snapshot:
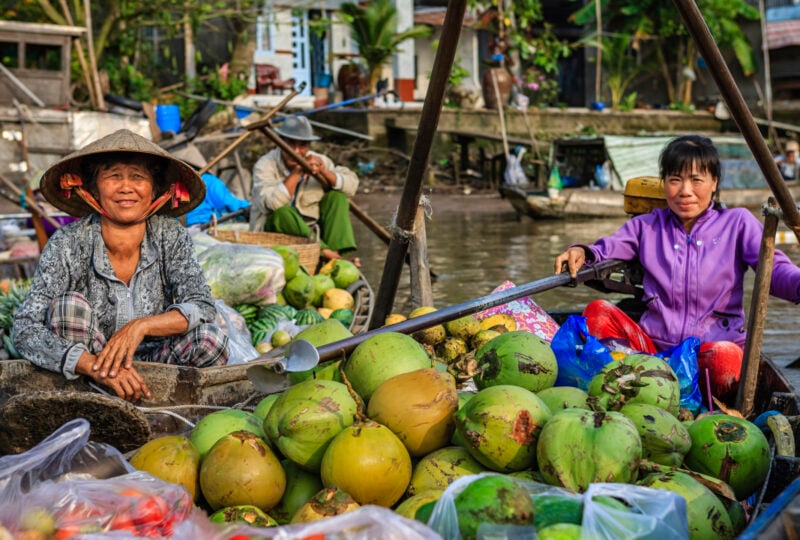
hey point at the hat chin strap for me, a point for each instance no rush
(177, 193)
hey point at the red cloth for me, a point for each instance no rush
(723, 359)
(605, 320)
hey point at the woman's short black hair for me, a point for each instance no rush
(682, 152)
(90, 168)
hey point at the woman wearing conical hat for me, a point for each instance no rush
(121, 283)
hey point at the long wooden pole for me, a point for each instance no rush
(244, 136)
(412, 191)
(756, 319)
(739, 112)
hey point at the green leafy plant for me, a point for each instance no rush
(373, 28)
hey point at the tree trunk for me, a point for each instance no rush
(190, 66)
(243, 49)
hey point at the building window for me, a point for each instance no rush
(46, 57)
(9, 54)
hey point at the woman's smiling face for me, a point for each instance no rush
(125, 191)
(689, 193)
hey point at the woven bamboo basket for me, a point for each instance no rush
(307, 249)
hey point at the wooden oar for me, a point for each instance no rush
(337, 349)
(226, 217)
(243, 137)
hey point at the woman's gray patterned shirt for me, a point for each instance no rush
(75, 260)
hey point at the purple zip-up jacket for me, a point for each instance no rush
(694, 283)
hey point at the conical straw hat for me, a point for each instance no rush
(121, 141)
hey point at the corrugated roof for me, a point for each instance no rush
(435, 17)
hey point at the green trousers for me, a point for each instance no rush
(335, 228)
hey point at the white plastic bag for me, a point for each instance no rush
(243, 273)
(239, 339)
(660, 514)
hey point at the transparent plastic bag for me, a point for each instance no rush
(235, 327)
(66, 451)
(366, 523)
(653, 514)
(133, 505)
(656, 514)
(243, 273)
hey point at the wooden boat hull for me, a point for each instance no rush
(28, 391)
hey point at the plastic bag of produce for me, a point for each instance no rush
(651, 514)
(604, 511)
(202, 241)
(529, 315)
(235, 327)
(243, 273)
(366, 523)
(580, 355)
(66, 451)
(67, 485)
(682, 358)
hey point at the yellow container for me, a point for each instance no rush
(643, 194)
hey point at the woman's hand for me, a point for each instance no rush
(127, 384)
(574, 258)
(118, 352)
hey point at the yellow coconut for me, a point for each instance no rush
(433, 335)
(325, 312)
(500, 319)
(418, 407)
(172, 458)
(369, 462)
(334, 299)
(394, 318)
(326, 503)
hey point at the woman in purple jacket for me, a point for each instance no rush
(694, 254)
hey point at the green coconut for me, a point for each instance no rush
(408, 507)
(440, 468)
(321, 284)
(301, 486)
(706, 514)
(263, 406)
(578, 447)
(344, 273)
(664, 439)
(291, 261)
(217, 424)
(381, 357)
(494, 499)
(519, 358)
(319, 334)
(731, 449)
(637, 378)
(299, 290)
(500, 427)
(306, 417)
(249, 514)
(564, 397)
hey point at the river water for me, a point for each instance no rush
(475, 242)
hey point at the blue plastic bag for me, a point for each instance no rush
(580, 355)
(682, 358)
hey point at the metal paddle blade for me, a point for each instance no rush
(270, 377)
(301, 356)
